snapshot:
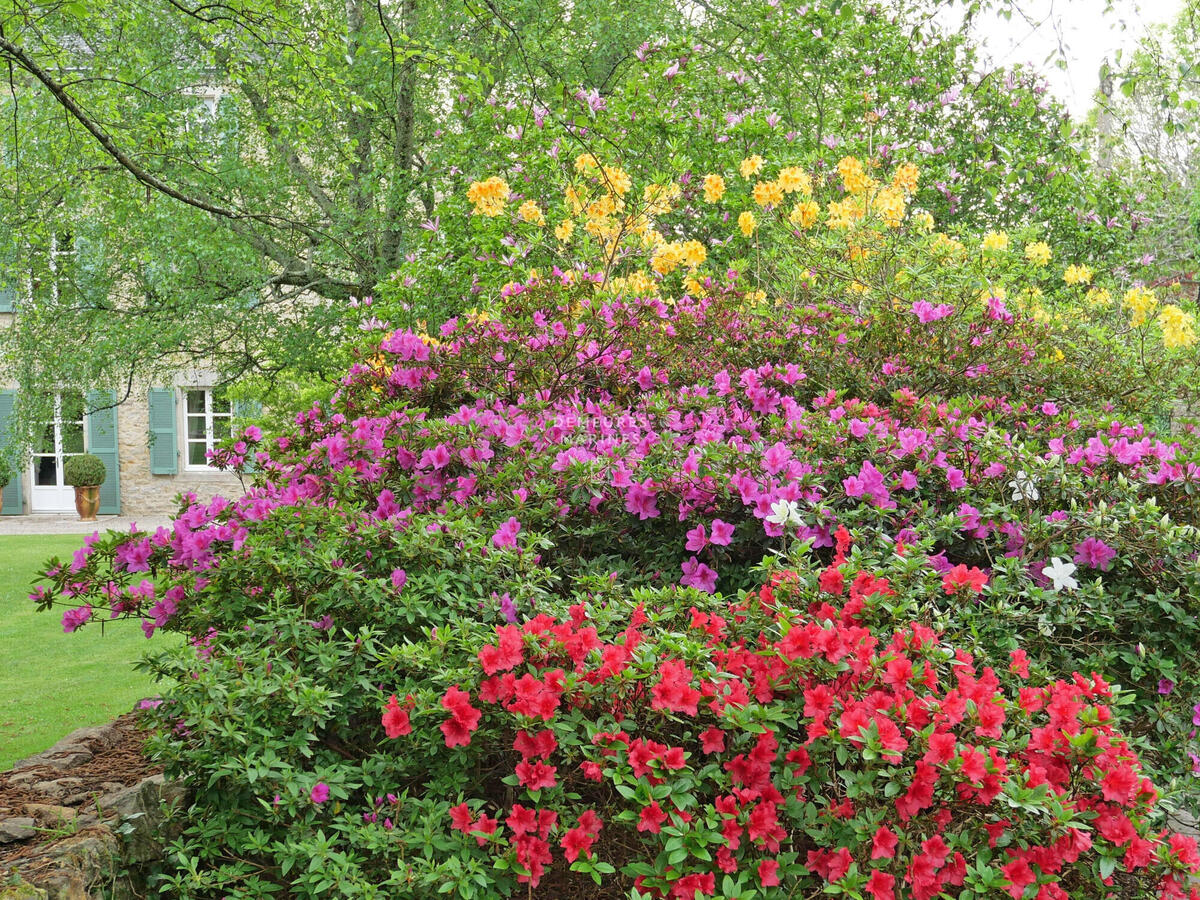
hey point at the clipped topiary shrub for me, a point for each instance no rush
(84, 470)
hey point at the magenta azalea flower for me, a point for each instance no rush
(722, 533)
(506, 534)
(1094, 553)
(696, 574)
(320, 792)
(74, 618)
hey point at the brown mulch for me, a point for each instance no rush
(122, 763)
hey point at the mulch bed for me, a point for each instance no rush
(122, 763)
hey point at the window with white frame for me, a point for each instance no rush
(209, 416)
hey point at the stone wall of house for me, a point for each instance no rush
(143, 494)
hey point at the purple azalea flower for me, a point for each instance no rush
(508, 609)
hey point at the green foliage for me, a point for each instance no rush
(84, 470)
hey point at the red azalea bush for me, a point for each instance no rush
(795, 742)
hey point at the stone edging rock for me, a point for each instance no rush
(68, 834)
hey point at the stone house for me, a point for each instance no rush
(154, 442)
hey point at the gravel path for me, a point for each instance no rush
(70, 524)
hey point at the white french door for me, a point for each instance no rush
(56, 442)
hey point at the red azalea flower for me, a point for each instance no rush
(464, 718)
(484, 827)
(768, 873)
(535, 746)
(651, 818)
(395, 719)
(460, 818)
(883, 845)
(505, 654)
(537, 775)
(712, 740)
(973, 579)
(576, 841)
(1019, 663)
(880, 886)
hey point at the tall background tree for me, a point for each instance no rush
(225, 182)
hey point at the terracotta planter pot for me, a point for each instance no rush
(87, 502)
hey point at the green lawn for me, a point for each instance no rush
(53, 683)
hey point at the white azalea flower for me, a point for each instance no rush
(1024, 487)
(784, 512)
(1059, 572)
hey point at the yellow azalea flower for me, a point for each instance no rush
(747, 223)
(805, 214)
(923, 221)
(844, 213)
(857, 287)
(660, 197)
(489, 196)
(768, 193)
(995, 242)
(693, 286)
(905, 177)
(602, 207)
(563, 230)
(694, 254)
(585, 162)
(889, 204)
(793, 179)
(573, 200)
(1097, 296)
(1178, 327)
(1140, 301)
(751, 166)
(531, 212)
(945, 245)
(666, 258)
(714, 188)
(616, 180)
(854, 176)
(1077, 274)
(642, 284)
(1038, 253)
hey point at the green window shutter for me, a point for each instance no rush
(102, 442)
(164, 453)
(8, 296)
(13, 501)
